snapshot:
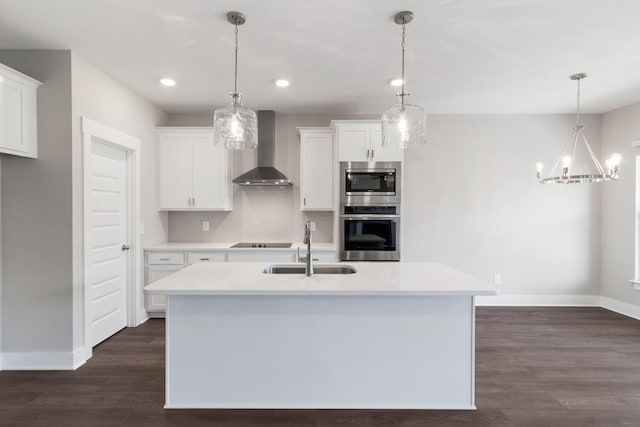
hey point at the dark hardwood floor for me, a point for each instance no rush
(535, 367)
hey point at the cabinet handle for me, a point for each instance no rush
(165, 259)
(372, 153)
(194, 201)
(204, 259)
(368, 155)
(189, 201)
(305, 201)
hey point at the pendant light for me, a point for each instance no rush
(235, 127)
(403, 124)
(577, 145)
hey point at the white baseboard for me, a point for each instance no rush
(44, 360)
(620, 307)
(539, 300)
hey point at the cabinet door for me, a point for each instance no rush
(158, 302)
(380, 153)
(353, 142)
(174, 171)
(210, 174)
(18, 113)
(316, 171)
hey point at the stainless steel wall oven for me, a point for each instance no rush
(370, 233)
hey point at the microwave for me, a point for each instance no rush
(370, 182)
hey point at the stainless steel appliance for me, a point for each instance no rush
(371, 183)
(370, 233)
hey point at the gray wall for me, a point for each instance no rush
(619, 129)
(101, 98)
(271, 214)
(471, 201)
(37, 216)
(42, 275)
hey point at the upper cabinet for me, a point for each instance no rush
(18, 113)
(317, 167)
(361, 141)
(193, 174)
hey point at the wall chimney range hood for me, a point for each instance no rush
(265, 173)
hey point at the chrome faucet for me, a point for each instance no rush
(307, 241)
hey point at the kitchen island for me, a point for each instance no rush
(391, 335)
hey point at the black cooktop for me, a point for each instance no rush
(261, 245)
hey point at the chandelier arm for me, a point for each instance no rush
(573, 152)
(578, 103)
(566, 146)
(594, 158)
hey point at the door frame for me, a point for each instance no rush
(92, 130)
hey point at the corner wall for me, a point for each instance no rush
(619, 128)
(37, 222)
(101, 98)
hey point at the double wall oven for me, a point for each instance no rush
(370, 211)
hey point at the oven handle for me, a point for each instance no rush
(364, 216)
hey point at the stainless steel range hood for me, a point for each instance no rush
(265, 173)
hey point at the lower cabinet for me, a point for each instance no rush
(161, 264)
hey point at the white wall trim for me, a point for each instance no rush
(620, 307)
(91, 130)
(539, 300)
(43, 360)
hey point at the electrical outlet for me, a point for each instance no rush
(497, 279)
(313, 226)
(205, 225)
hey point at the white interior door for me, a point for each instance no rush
(107, 251)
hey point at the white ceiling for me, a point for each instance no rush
(464, 56)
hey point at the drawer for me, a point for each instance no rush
(165, 259)
(193, 257)
(254, 256)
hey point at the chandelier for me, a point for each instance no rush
(403, 124)
(235, 127)
(564, 172)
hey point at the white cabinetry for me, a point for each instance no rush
(160, 265)
(18, 113)
(193, 174)
(317, 167)
(361, 141)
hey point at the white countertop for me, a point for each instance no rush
(226, 246)
(371, 278)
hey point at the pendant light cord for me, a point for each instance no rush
(402, 93)
(235, 84)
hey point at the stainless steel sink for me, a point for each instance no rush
(317, 269)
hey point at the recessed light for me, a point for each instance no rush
(282, 83)
(396, 82)
(167, 81)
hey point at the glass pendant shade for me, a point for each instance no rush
(403, 126)
(235, 127)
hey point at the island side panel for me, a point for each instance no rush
(320, 352)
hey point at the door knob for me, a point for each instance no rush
(125, 247)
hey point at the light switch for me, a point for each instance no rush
(205, 225)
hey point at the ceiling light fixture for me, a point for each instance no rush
(396, 82)
(235, 127)
(593, 171)
(167, 81)
(403, 124)
(282, 83)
